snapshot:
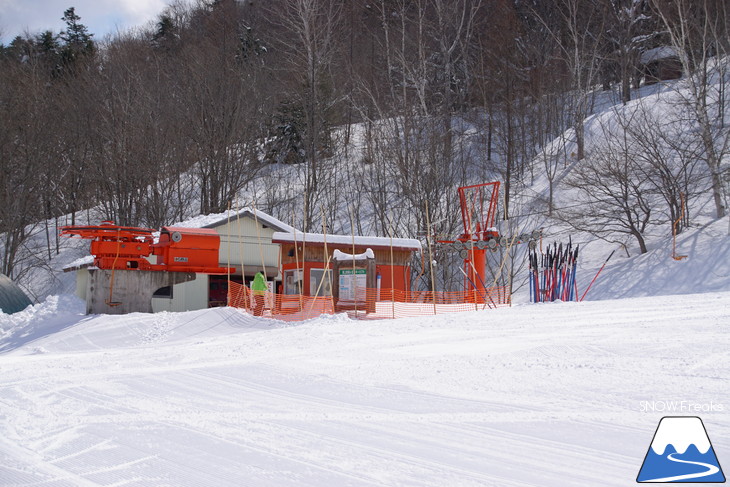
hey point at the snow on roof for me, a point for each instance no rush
(662, 52)
(360, 241)
(80, 263)
(342, 256)
(217, 219)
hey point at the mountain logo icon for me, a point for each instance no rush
(681, 452)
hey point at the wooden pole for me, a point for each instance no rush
(354, 276)
(319, 287)
(392, 271)
(509, 278)
(430, 258)
(240, 242)
(328, 274)
(228, 271)
(304, 263)
(261, 252)
(258, 237)
(296, 270)
(474, 281)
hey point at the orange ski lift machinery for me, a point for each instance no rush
(117, 247)
(478, 211)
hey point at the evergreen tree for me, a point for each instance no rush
(19, 49)
(251, 47)
(77, 40)
(165, 33)
(48, 51)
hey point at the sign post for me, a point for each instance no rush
(355, 281)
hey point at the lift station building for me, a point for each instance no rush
(251, 241)
(307, 257)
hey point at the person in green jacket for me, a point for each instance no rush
(258, 289)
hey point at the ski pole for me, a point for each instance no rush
(573, 288)
(596, 276)
(535, 278)
(543, 278)
(567, 273)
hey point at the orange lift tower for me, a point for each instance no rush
(478, 210)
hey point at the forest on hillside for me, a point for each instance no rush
(187, 114)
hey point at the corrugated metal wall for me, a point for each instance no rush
(242, 243)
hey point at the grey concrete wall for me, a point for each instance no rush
(131, 291)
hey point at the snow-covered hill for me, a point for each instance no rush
(559, 394)
(705, 242)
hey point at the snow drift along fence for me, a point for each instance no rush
(387, 303)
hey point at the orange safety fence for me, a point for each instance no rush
(378, 303)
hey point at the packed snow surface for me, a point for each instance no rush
(557, 394)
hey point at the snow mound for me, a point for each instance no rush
(59, 325)
(39, 320)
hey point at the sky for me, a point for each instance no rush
(102, 17)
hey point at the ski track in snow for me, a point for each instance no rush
(534, 395)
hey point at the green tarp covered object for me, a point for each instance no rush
(12, 299)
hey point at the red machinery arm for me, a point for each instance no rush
(179, 249)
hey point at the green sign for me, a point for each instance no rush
(344, 272)
(353, 283)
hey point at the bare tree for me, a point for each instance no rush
(698, 32)
(578, 28)
(614, 196)
(636, 177)
(222, 69)
(669, 158)
(629, 29)
(24, 156)
(311, 44)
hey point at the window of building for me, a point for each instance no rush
(294, 281)
(320, 282)
(163, 292)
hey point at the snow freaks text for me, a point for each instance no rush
(680, 407)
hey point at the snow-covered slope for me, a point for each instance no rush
(534, 395)
(704, 267)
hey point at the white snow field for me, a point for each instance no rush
(558, 394)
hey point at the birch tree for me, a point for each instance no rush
(698, 31)
(311, 44)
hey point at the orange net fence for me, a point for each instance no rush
(377, 303)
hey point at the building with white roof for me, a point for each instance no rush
(252, 241)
